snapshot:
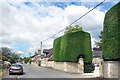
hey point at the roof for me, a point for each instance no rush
(38, 56)
(51, 58)
(46, 50)
(49, 52)
(34, 55)
(97, 54)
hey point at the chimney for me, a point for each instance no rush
(35, 52)
(39, 52)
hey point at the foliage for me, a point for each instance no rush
(87, 68)
(71, 29)
(111, 34)
(99, 44)
(5, 51)
(14, 58)
(20, 60)
(7, 54)
(39, 62)
(9, 60)
(30, 61)
(26, 60)
(4, 66)
(70, 46)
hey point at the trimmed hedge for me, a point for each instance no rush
(70, 46)
(87, 68)
(111, 34)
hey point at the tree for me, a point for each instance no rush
(20, 60)
(26, 60)
(7, 54)
(14, 58)
(99, 44)
(5, 51)
(71, 29)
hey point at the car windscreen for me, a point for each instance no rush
(16, 66)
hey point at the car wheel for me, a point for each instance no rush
(9, 73)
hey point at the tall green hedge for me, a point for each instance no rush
(70, 46)
(111, 34)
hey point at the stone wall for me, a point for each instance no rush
(98, 69)
(33, 63)
(111, 69)
(71, 67)
(44, 62)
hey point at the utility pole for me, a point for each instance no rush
(41, 47)
(29, 54)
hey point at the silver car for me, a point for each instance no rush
(16, 68)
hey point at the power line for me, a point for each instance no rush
(75, 20)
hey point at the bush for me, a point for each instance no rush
(5, 66)
(26, 60)
(39, 63)
(111, 34)
(87, 68)
(30, 61)
(70, 46)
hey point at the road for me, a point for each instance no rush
(40, 72)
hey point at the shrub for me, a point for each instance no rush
(26, 60)
(111, 34)
(4, 66)
(30, 61)
(39, 63)
(87, 68)
(70, 46)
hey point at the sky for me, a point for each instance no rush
(25, 23)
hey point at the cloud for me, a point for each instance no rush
(33, 24)
(92, 22)
(19, 52)
(59, 0)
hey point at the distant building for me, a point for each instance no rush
(48, 54)
(35, 57)
(0, 61)
(97, 57)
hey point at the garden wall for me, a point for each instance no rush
(71, 67)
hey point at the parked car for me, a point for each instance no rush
(16, 68)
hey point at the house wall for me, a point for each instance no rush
(96, 60)
(71, 67)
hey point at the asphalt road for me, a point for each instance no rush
(40, 72)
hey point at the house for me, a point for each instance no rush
(48, 54)
(34, 56)
(97, 57)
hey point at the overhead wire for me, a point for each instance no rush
(75, 20)
(71, 23)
